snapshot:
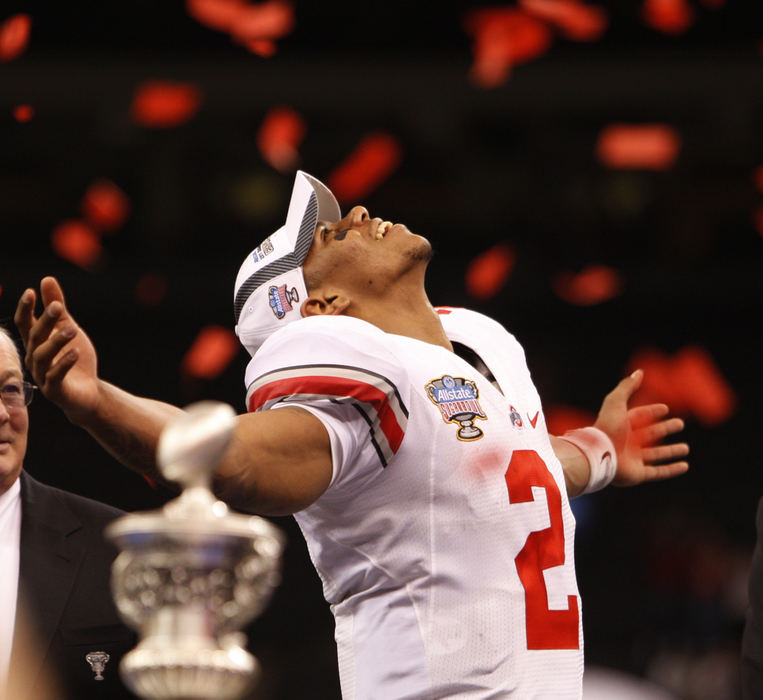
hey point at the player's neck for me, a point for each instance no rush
(412, 316)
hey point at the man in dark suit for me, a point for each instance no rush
(52, 544)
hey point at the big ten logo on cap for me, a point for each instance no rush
(281, 300)
(265, 248)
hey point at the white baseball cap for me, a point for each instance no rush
(270, 285)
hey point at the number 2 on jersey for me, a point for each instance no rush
(544, 549)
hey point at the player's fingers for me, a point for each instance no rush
(42, 328)
(625, 388)
(665, 471)
(24, 316)
(651, 455)
(652, 434)
(60, 367)
(50, 290)
(641, 416)
(43, 356)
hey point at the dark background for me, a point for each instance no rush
(662, 568)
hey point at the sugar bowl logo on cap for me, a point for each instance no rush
(270, 281)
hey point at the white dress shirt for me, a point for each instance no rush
(10, 536)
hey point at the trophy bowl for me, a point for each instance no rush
(191, 574)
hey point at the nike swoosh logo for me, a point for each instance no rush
(534, 419)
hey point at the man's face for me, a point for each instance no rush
(14, 422)
(365, 255)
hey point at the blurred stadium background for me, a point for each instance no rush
(591, 174)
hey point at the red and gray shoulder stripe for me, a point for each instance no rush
(374, 396)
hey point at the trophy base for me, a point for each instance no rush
(189, 674)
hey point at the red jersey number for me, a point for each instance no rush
(544, 549)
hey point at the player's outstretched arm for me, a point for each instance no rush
(279, 461)
(634, 433)
(63, 362)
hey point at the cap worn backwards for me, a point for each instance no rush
(270, 285)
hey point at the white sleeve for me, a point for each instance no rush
(338, 369)
(345, 427)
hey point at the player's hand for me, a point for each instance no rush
(636, 433)
(59, 355)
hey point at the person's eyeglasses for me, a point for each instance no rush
(17, 394)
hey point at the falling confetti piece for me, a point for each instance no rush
(593, 285)
(575, 20)
(268, 20)
(374, 159)
(161, 104)
(262, 47)
(76, 242)
(503, 38)
(689, 382)
(280, 136)
(560, 418)
(14, 36)
(211, 352)
(215, 14)
(668, 16)
(488, 272)
(105, 206)
(151, 289)
(644, 146)
(23, 113)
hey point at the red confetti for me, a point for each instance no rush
(668, 16)
(279, 138)
(254, 26)
(23, 113)
(215, 14)
(503, 38)
(576, 20)
(76, 242)
(268, 20)
(14, 36)
(151, 289)
(262, 47)
(372, 162)
(161, 104)
(105, 206)
(645, 146)
(689, 382)
(593, 285)
(211, 352)
(488, 272)
(560, 419)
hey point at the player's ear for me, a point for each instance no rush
(329, 305)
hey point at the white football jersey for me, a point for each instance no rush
(445, 539)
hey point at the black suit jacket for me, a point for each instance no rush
(752, 642)
(64, 588)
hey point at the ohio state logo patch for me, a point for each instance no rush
(457, 399)
(281, 300)
(516, 419)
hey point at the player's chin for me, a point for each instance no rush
(420, 250)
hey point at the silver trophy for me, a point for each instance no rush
(191, 575)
